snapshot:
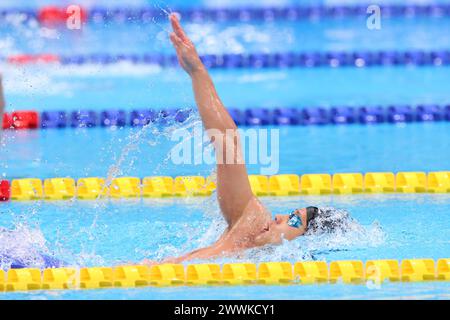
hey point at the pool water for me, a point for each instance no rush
(120, 232)
(112, 232)
(328, 149)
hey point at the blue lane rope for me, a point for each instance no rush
(291, 13)
(333, 59)
(295, 12)
(251, 117)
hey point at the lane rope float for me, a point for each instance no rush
(248, 117)
(92, 188)
(57, 15)
(267, 273)
(331, 59)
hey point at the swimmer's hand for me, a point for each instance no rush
(186, 53)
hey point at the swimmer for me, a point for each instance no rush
(250, 224)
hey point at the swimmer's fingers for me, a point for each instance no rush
(177, 27)
(186, 53)
(177, 43)
(175, 40)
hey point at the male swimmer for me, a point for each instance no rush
(250, 224)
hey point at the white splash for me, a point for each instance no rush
(22, 244)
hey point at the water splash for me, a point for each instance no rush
(22, 244)
(350, 235)
(133, 143)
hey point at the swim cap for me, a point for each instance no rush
(311, 213)
(328, 219)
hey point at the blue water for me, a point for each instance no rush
(212, 37)
(139, 87)
(43, 154)
(107, 232)
(114, 232)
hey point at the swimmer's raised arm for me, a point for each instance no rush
(233, 187)
(250, 224)
(210, 107)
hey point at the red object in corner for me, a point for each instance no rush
(25, 120)
(47, 58)
(52, 15)
(5, 190)
(29, 58)
(7, 121)
(21, 58)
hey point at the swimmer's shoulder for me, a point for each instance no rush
(252, 219)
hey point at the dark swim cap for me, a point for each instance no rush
(326, 219)
(311, 213)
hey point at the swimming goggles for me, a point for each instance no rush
(294, 220)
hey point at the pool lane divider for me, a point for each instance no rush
(248, 117)
(197, 186)
(333, 59)
(268, 273)
(57, 15)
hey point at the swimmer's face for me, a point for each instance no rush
(278, 229)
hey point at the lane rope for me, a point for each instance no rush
(393, 114)
(268, 273)
(55, 15)
(257, 60)
(92, 188)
